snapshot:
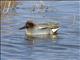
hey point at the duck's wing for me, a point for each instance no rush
(42, 26)
(50, 25)
(53, 25)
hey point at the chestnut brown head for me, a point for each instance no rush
(28, 25)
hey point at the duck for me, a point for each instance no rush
(33, 28)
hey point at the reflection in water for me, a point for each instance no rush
(33, 40)
(62, 46)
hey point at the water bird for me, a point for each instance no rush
(39, 29)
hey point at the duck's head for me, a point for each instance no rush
(28, 25)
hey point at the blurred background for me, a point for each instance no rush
(63, 46)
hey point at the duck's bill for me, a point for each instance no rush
(22, 28)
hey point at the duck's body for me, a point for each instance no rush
(40, 29)
(36, 32)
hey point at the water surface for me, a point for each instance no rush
(63, 46)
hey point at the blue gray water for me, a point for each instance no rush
(63, 46)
